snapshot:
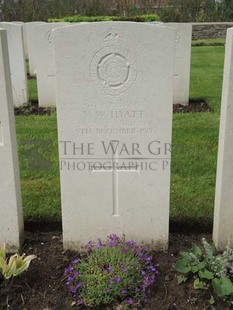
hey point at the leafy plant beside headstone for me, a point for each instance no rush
(113, 272)
(14, 265)
(208, 269)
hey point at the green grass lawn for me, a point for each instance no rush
(37, 140)
(195, 139)
(206, 74)
(32, 89)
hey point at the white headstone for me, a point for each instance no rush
(114, 90)
(45, 63)
(31, 43)
(223, 213)
(17, 63)
(183, 42)
(25, 45)
(11, 215)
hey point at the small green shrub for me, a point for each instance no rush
(150, 18)
(117, 271)
(209, 42)
(15, 265)
(79, 19)
(208, 269)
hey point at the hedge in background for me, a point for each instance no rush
(79, 19)
(209, 42)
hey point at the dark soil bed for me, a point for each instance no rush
(33, 109)
(42, 287)
(198, 105)
(29, 77)
(194, 106)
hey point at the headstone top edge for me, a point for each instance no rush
(2, 30)
(35, 22)
(94, 25)
(10, 24)
(181, 24)
(50, 25)
(230, 31)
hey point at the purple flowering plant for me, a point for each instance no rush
(112, 272)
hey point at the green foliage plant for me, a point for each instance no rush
(79, 19)
(15, 265)
(208, 269)
(115, 272)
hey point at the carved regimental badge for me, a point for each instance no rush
(113, 67)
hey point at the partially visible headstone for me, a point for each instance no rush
(183, 42)
(24, 38)
(223, 213)
(11, 215)
(17, 63)
(45, 63)
(114, 93)
(31, 43)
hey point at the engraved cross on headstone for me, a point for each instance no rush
(115, 171)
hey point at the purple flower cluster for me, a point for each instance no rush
(72, 275)
(128, 279)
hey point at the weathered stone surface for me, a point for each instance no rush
(114, 90)
(183, 43)
(25, 45)
(223, 213)
(31, 44)
(17, 63)
(11, 215)
(45, 63)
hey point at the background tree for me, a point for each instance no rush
(169, 10)
(181, 10)
(225, 10)
(195, 10)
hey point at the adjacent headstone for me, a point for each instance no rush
(17, 63)
(11, 215)
(183, 43)
(182, 65)
(114, 92)
(45, 64)
(223, 213)
(31, 43)
(25, 45)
